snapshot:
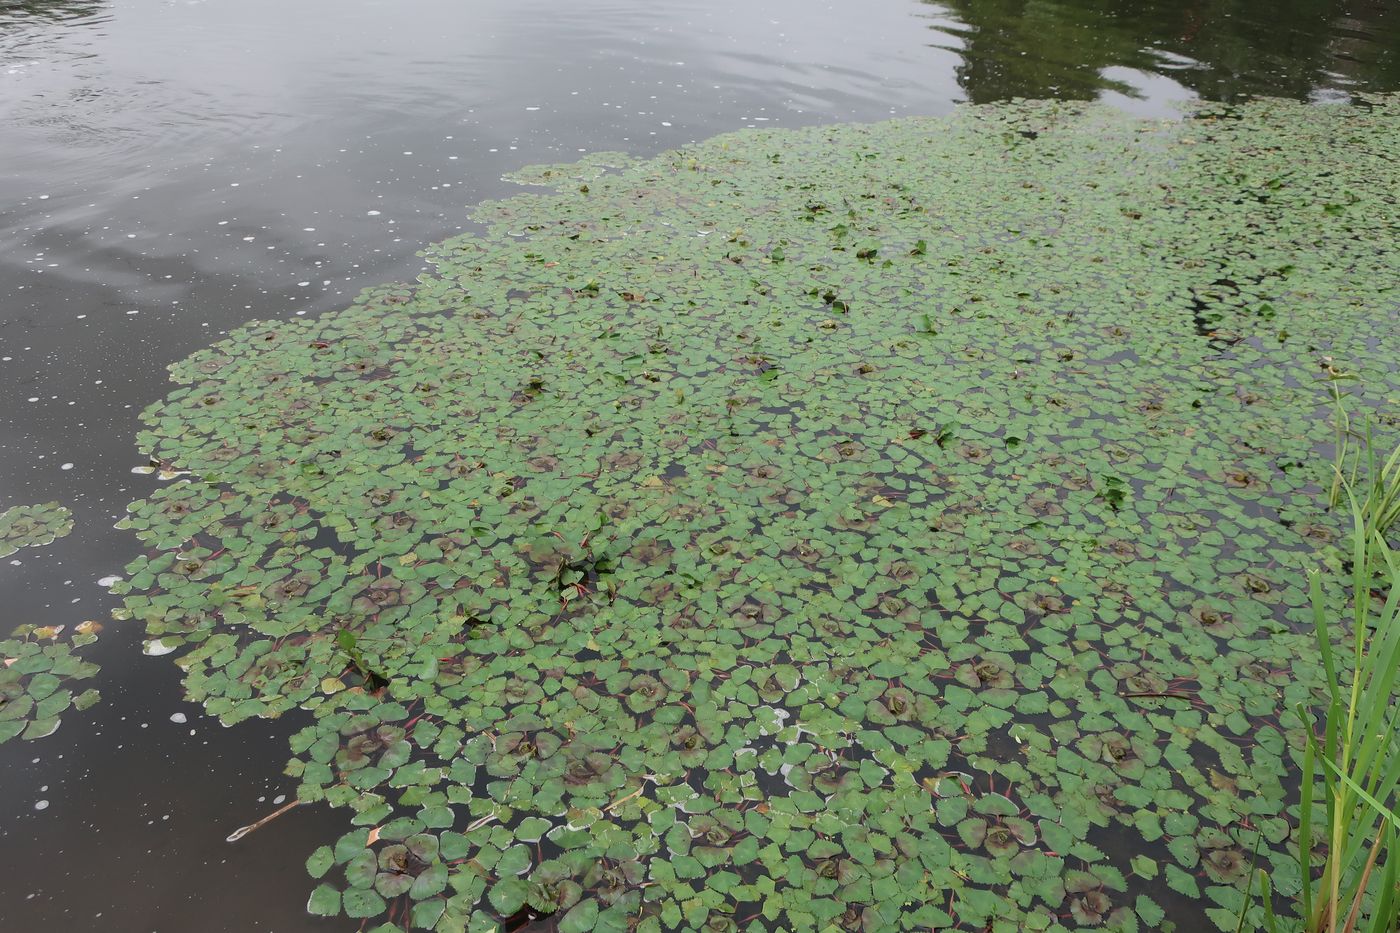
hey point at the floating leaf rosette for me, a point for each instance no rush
(858, 527)
(33, 526)
(37, 684)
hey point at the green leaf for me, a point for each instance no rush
(361, 870)
(1144, 867)
(1182, 883)
(531, 829)
(1149, 913)
(324, 901)
(426, 913)
(360, 903)
(581, 918)
(320, 862)
(508, 895)
(430, 881)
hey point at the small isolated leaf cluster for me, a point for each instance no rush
(36, 683)
(860, 527)
(33, 526)
(40, 667)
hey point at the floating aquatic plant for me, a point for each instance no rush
(858, 527)
(37, 682)
(33, 526)
(40, 667)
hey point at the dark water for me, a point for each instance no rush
(171, 168)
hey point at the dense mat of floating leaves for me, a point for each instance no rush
(39, 666)
(862, 527)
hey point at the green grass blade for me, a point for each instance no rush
(1324, 640)
(1385, 913)
(1305, 808)
(1266, 892)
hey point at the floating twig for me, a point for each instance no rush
(621, 800)
(481, 822)
(1167, 695)
(242, 831)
